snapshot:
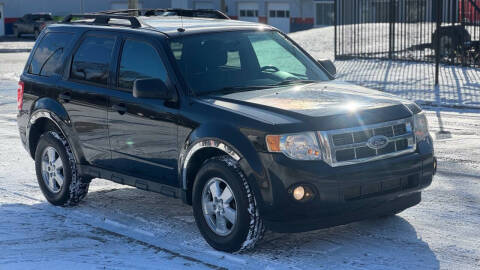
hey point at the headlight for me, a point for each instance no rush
(420, 126)
(299, 146)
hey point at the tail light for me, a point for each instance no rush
(20, 90)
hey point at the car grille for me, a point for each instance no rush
(350, 146)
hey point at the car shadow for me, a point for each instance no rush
(384, 241)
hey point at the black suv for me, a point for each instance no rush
(233, 118)
(32, 24)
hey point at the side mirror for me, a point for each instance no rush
(329, 67)
(151, 88)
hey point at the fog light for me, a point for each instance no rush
(299, 193)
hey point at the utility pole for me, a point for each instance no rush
(223, 7)
(133, 4)
(82, 6)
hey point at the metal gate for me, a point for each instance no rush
(439, 31)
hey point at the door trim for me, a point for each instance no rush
(124, 179)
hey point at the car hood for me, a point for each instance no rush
(316, 99)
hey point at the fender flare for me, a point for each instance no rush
(47, 108)
(228, 140)
(206, 143)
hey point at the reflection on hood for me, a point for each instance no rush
(319, 99)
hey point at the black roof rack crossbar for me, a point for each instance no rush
(178, 11)
(103, 19)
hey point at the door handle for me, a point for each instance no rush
(120, 108)
(65, 97)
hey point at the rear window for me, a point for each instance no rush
(42, 17)
(92, 60)
(48, 57)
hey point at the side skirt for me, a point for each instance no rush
(128, 180)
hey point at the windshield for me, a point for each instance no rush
(240, 61)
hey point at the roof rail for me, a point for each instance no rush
(202, 13)
(103, 19)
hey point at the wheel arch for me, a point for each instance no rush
(203, 144)
(48, 114)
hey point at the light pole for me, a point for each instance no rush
(133, 4)
(82, 6)
(223, 7)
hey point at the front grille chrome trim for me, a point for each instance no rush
(329, 149)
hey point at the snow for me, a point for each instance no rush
(415, 81)
(121, 227)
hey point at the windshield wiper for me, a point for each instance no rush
(238, 89)
(287, 82)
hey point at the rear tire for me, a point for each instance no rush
(247, 227)
(57, 172)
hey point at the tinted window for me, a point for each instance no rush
(42, 18)
(48, 57)
(139, 61)
(92, 59)
(177, 48)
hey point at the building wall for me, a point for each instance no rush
(301, 12)
(14, 9)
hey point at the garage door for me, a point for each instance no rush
(2, 21)
(248, 11)
(203, 5)
(279, 16)
(324, 13)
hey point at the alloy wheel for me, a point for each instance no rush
(52, 170)
(219, 206)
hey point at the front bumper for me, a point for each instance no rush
(342, 194)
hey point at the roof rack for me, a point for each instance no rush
(104, 19)
(202, 13)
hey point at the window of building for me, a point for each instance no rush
(279, 13)
(248, 13)
(139, 61)
(92, 60)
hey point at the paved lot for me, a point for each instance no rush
(121, 227)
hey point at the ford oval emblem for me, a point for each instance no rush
(377, 142)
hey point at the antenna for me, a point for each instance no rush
(181, 29)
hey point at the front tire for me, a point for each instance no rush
(224, 206)
(57, 172)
